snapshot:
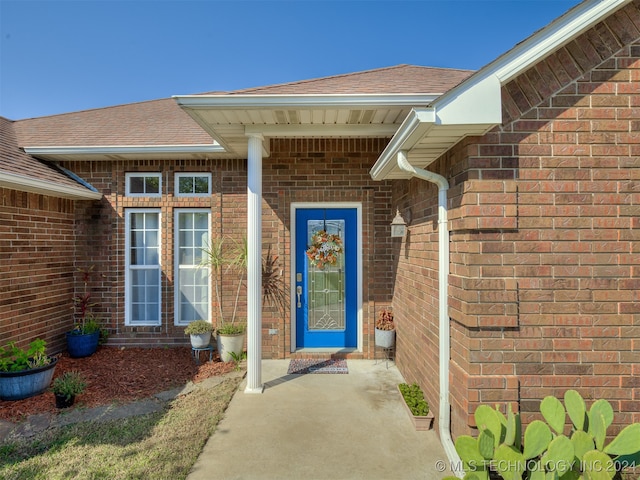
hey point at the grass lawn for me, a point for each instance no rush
(162, 445)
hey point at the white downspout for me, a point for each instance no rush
(444, 418)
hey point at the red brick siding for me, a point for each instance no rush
(330, 170)
(544, 240)
(37, 250)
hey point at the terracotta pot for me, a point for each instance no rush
(420, 423)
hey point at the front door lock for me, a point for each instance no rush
(299, 294)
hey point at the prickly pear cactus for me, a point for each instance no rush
(546, 453)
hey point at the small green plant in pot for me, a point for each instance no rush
(25, 373)
(220, 261)
(83, 339)
(66, 387)
(416, 406)
(200, 333)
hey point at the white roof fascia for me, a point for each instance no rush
(414, 127)
(26, 184)
(305, 101)
(123, 149)
(478, 106)
(459, 101)
(544, 42)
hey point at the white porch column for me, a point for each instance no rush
(254, 265)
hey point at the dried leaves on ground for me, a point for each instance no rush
(121, 375)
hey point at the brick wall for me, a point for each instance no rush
(545, 240)
(37, 250)
(329, 170)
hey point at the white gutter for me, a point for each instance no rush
(28, 184)
(305, 100)
(123, 149)
(444, 343)
(476, 102)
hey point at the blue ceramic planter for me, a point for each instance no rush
(82, 345)
(26, 383)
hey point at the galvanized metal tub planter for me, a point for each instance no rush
(26, 383)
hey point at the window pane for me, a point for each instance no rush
(201, 185)
(185, 185)
(152, 220)
(137, 220)
(151, 256)
(201, 221)
(152, 184)
(136, 184)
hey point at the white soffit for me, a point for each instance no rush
(460, 112)
(230, 118)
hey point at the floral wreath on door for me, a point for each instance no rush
(324, 249)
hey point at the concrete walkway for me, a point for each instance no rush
(321, 426)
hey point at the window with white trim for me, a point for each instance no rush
(192, 279)
(192, 184)
(146, 184)
(143, 268)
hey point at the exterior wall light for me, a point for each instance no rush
(398, 226)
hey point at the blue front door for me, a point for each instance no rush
(326, 277)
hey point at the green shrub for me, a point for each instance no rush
(414, 398)
(198, 327)
(69, 384)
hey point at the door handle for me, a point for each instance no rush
(299, 293)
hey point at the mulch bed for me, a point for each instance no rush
(121, 375)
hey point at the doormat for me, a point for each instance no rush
(300, 366)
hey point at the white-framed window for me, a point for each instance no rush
(142, 267)
(143, 184)
(193, 184)
(192, 279)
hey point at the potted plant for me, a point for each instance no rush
(230, 335)
(385, 331)
(83, 339)
(416, 406)
(200, 333)
(66, 387)
(25, 373)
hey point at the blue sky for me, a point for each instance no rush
(62, 56)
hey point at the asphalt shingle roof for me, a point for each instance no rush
(396, 79)
(14, 161)
(163, 122)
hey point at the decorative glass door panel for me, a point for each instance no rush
(326, 277)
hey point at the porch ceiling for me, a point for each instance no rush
(230, 118)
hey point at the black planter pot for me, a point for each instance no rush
(82, 344)
(62, 401)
